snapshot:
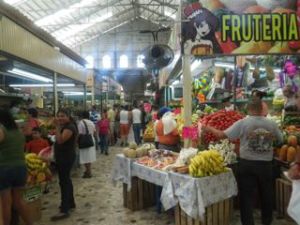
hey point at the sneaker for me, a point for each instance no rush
(60, 216)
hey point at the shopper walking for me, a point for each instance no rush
(136, 124)
(64, 150)
(124, 124)
(111, 115)
(117, 122)
(13, 171)
(256, 134)
(103, 131)
(87, 155)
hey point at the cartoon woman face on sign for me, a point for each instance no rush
(199, 32)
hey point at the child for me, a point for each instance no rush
(103, 131)
(37, 143)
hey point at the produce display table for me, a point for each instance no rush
(193, 195)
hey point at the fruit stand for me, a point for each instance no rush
(194, 195)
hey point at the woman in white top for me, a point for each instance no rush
(87, 155)
(125, 117)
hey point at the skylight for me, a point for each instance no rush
(14, 2)
(51, 19)
(170, 14)
(71, 30)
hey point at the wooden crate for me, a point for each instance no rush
(283, 195)
(34, 211)
(219, 213)
(141, 195)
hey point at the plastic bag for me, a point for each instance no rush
(169, 123)
(185, 155)
(294, 205)
(47, 154)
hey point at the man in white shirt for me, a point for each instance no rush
(136, 123)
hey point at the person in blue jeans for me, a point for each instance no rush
(103, 131)
(136, 124)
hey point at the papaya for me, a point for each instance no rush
(291, 154)
(283, 152)
(292, 140)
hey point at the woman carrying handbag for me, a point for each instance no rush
(86, 143)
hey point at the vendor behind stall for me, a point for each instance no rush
(290, 101)
(166, 130)
(228, 106)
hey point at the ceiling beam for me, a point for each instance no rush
(162, 3)
(116, 15)
(88, 14)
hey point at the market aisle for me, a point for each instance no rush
(100, 203)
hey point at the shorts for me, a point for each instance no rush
(124, 129)
(12, 177)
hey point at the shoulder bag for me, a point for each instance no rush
(85, 140)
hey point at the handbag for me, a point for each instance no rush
(85, 140)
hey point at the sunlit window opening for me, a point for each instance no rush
(106, 62)
(123, 61)
(90, 62)
(140, 63)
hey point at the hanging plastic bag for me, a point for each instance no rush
(47, 154)
(294, 205)
(169, 123)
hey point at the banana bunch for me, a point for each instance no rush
(34, 163)
(207, 163)
(195, 118)
(278, 101)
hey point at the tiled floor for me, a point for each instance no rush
(100, 203)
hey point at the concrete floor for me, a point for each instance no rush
(100, 203)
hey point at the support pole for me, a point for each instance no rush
(235, 72)
(84, 96)
(187, 94)
(55, 94)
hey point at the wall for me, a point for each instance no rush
(19, 42)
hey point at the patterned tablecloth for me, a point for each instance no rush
(193, 194)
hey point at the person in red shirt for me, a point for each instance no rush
(37, 143)
(103, 131)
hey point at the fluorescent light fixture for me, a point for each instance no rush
(71, 30)
(75, 93)
(225, 65)
(195, 64)
(41, 85)
(170, 14)
(14, 2)
(29, 75)
(264, 69)
(51, 19)
(175, 82)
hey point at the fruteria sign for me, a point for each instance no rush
(237, 27)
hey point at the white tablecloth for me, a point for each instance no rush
(193, 194)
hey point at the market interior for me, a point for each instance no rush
(181, 112)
